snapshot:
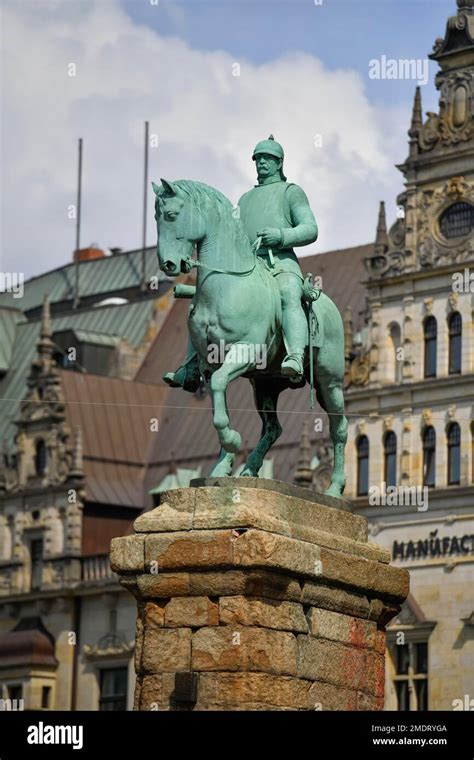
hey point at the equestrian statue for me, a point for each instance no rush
(253, 314)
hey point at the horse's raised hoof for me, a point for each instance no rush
(248, 472)
(221, 470)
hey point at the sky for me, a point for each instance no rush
(212, 77)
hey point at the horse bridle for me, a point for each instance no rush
(190, 262)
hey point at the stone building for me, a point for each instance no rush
(411, 390)
(92, 436)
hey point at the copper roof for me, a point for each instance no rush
(115, 418)
(28, 644)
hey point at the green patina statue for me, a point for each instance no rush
(252, 312)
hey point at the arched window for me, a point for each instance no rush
(429, 457)
(363, 466)
(431, 333)
(390, 459)
(454, 454)
(455, 342)
(41, 457)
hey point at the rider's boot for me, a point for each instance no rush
(187, 376)
(292, 367)
(295, 334)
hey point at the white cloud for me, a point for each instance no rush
(207, 120)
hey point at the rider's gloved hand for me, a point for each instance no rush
(270, 236)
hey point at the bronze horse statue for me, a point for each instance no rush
(236, 304)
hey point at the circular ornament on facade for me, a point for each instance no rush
(457, 221)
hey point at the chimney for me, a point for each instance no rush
(90, 253)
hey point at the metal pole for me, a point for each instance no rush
(145, 188)
(78, 228)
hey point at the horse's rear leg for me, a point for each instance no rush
(332, 401)
(266, 394)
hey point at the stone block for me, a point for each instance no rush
(189, 549)
(267, 613)
(166, 649)
(163, 585)
(127, 554)
(255, 548)
(247, 649)
(194, 612)
(343, 628)
(373, 577)
(242, 688)
(328, 697)
(336, 599)
(329, 661)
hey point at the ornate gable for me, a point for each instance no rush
(43, 454)
(435, 219)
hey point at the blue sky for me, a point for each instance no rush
(304, 73)
(343, 33)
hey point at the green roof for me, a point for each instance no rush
(95, 338)
(9, 319)
(107, 275)
(128, 321)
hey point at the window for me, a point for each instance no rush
(394, 364)
(41, 458)
(411, 675)
(15, 691)
(454, 454)
(45, 696)
(455, 343)
(113, 689)
(430, 328)
(390, 459)
(457, 220)
(429, 457)
(36, 553)
(363, 466)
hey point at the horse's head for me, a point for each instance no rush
(179, 227)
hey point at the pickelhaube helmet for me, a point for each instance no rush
(273, 148)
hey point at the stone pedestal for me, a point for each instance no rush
(257, 595)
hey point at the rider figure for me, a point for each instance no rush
(278, 213)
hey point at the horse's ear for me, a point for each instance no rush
(156, 188)
(169, 187)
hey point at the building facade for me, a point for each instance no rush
(411, 393)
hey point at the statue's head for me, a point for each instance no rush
(179, 226)
(268, 156)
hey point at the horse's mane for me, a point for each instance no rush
(199, 192)
(203, 195)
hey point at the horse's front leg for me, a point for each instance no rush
(220, 379)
